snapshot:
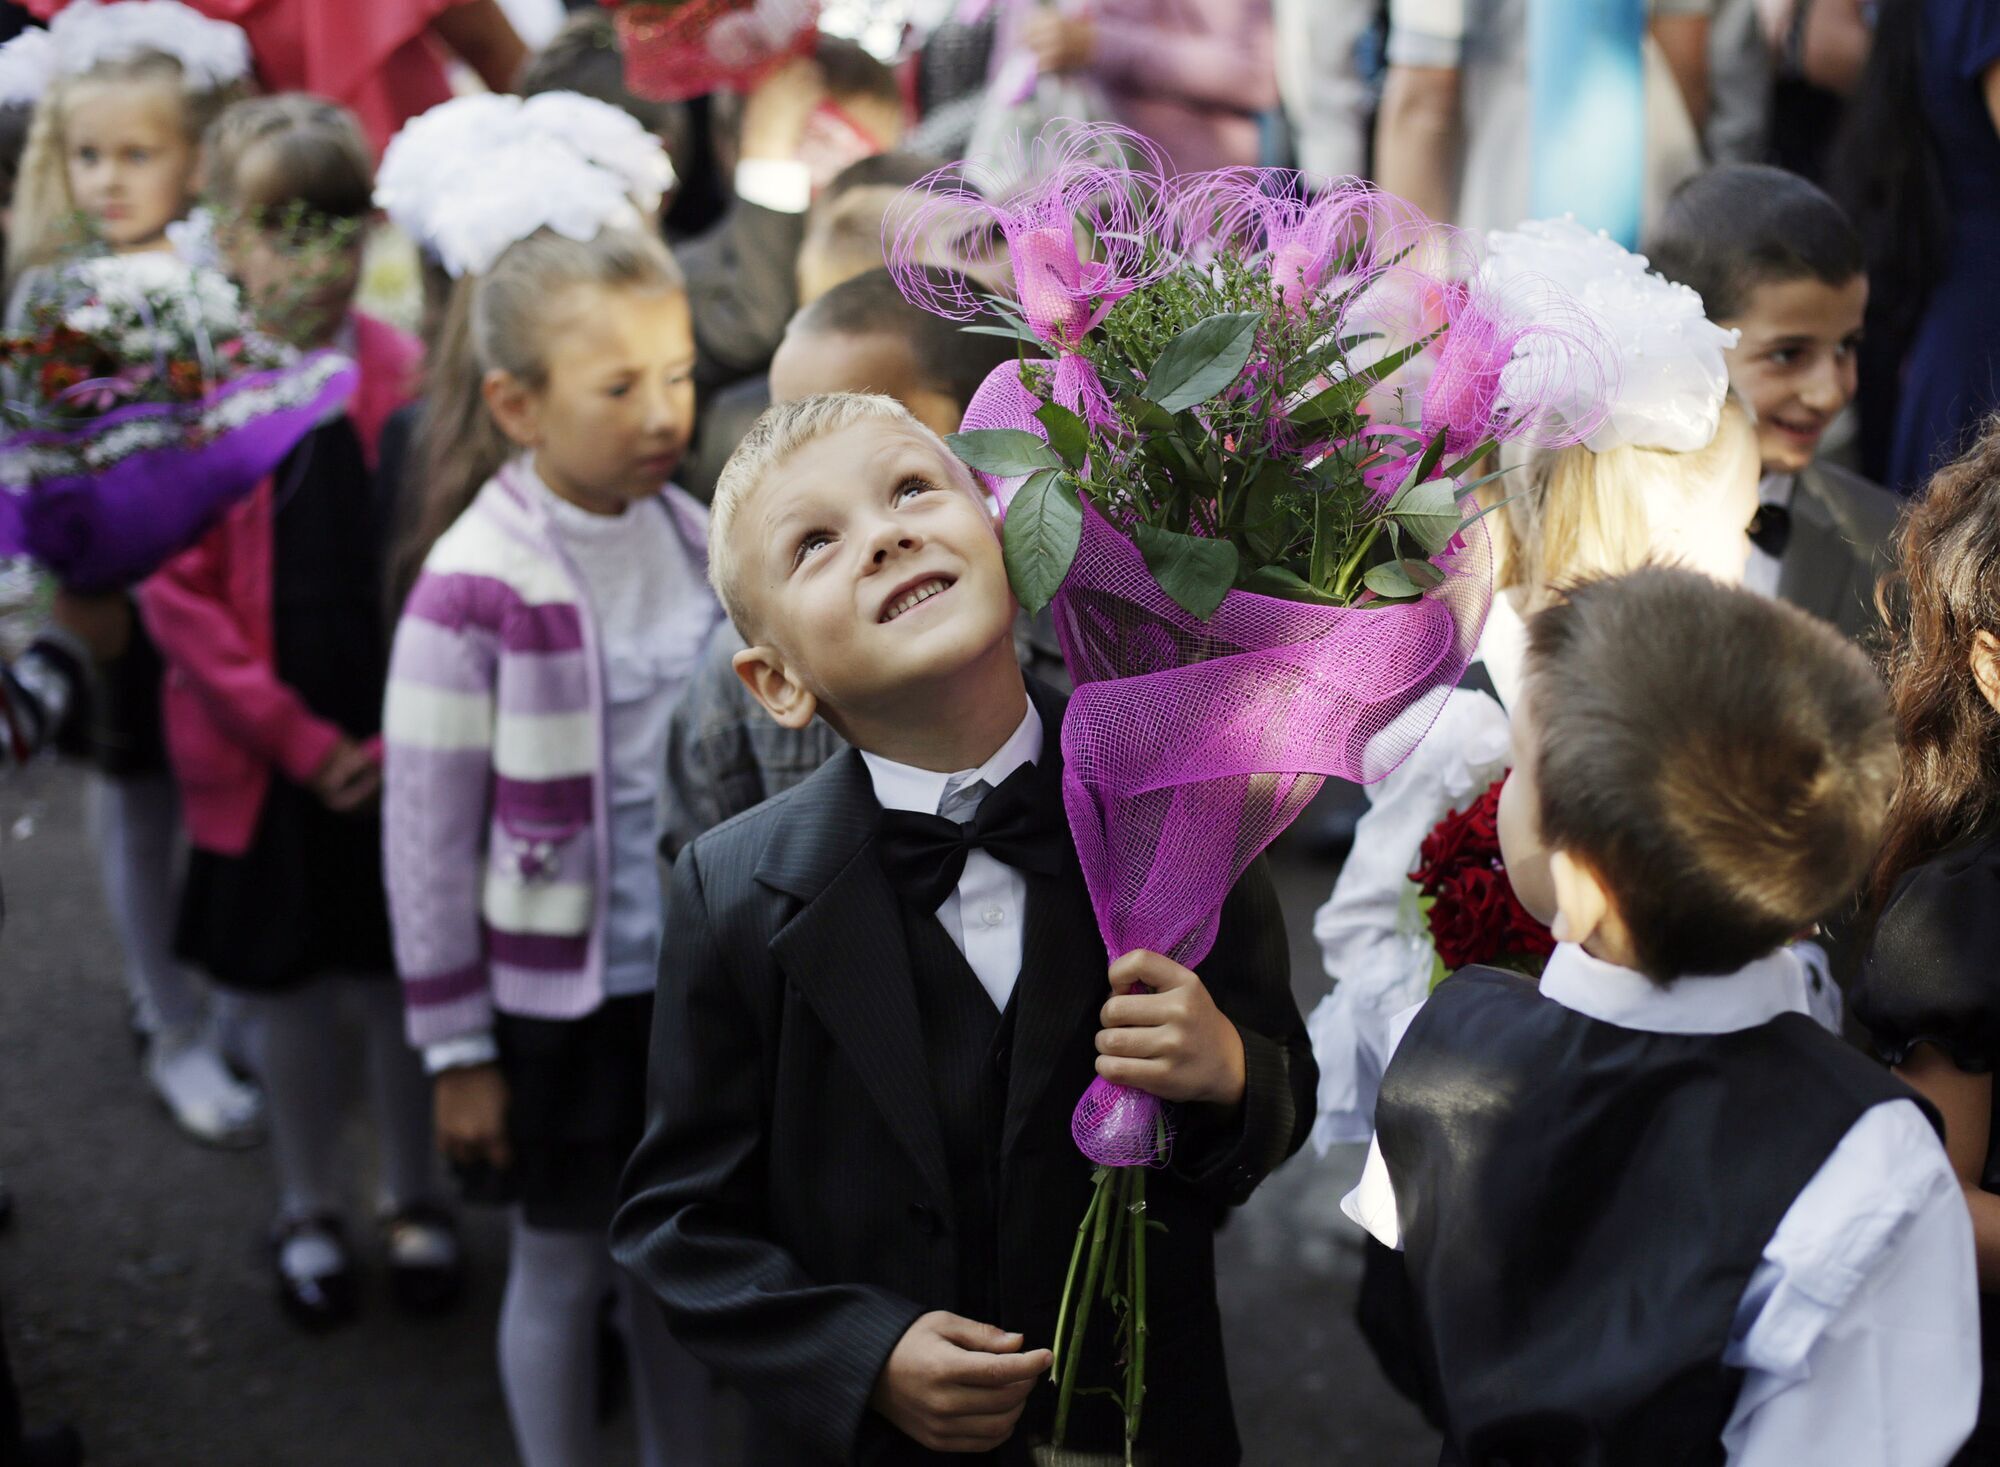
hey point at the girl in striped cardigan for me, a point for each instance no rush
(561, 605)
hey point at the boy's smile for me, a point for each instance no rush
(874, 572)
(1796, 366)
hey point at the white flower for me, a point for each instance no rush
(91, 318)
(212, 53)
(1671, 376)
(26, 65)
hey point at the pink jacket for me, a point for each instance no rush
(228, 718)
(1192, 75)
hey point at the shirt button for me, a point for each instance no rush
(993, 916)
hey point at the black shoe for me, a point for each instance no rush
(426, 1260)
(321, 1301)
(55, 1446)
(6, 1204)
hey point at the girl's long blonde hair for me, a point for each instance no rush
(45, 222)
(498, 321)
(1571, 515)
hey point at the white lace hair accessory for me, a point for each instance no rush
(1671, 376)
(212, 53)
(26, 65)
(472, 175)
(530, 184)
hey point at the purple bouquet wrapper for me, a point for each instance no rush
(1189, 745)
(105, 528)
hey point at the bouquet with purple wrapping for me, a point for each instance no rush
(1237, 458)
(145, 405)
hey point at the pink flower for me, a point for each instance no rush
(1073, 239)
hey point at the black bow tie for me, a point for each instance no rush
(1017, 823)
(1771, 530)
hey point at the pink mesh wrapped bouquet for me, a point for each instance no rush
(1236, 459)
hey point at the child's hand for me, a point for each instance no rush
(1173, 1042)
(1060, 43)
(349, 779)
(954, 1385)
(471, 1112)
(777, 110)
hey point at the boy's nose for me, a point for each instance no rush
(892, 538)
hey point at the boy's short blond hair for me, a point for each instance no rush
(779, 433)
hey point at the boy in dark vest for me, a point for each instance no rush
(1653, 1214)
(882, 992)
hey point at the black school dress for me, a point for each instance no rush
(1932, 976)
(306, 899)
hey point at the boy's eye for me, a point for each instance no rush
(913, 486)
(810, 543)
(622, 389)
(1784, 356)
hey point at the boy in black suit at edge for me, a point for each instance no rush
(857, 1194)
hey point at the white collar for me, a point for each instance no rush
(1777, 489)
(906, 787)
(1503, 647)
(1720, 1005)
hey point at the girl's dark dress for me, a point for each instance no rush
(306, 899)
(1932, 976)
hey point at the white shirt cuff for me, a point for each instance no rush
(461, 1053)
(1372, 1203)
(777, 184)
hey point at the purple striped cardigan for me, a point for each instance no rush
(495, 829)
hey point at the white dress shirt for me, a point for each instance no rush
(1760, 571)
(1858, 1335)
(984, 914)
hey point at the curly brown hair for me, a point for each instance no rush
(1943, 592)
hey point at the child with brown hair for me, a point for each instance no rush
(1928, 991)
(276, 659)
(1651, 1212)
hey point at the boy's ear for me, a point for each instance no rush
(778, 692)
(515, 407)
(1582, 904)
(1985, 660)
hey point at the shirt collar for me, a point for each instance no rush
(906, 787)
(1777, 489)
(1503, 647)
(1720, 1005)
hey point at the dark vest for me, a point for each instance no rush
(967, 1047)
(1582, 1206)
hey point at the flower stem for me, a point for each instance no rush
(1135, 1367)
(1066, 1390)
(1343, 583)
(1069, 1281)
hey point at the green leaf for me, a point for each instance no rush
(1039, 536)
(1264, 524)
(1195, 572)
(1006, 453)
(1067, 434)
(1402, 580)
(1012, 333)
(1038, 539)
(1203, 360)
(1284, 582)
(1331, 405)
(1392, 362)
(1429, 511)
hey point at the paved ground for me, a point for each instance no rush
(136, 1300)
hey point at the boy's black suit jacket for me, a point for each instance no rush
(790, 1204)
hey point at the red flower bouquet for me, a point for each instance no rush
(1469, 905)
